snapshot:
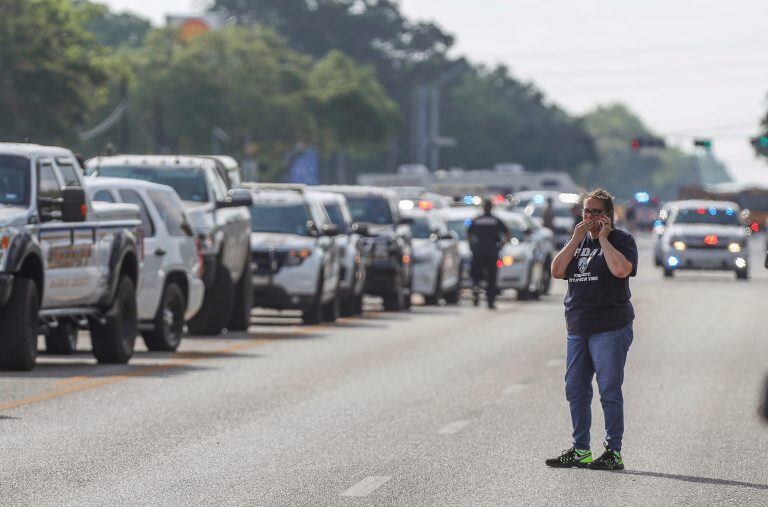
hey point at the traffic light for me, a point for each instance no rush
(703, 143)
(760, 144)
(638, 143)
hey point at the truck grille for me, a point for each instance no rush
(266, 262)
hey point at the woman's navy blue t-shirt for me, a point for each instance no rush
(597, 301)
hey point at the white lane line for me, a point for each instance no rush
(367, 485)
(515, 388)
(552, 363)
(452, 428)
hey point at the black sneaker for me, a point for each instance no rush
(609, 460)
(571, 458)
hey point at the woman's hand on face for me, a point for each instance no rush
(606, 228)
(582, 228)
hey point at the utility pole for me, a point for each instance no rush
(426, 140)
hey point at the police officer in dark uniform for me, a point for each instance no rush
(486, 235)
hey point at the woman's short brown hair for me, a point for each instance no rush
(603, 196)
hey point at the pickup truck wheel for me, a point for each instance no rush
(114, 338)
(332, 309)
(217, 305)
(168, 324)
(18, 327)
(241, 312)
(314, 314)
(62, 339)
(395, 301)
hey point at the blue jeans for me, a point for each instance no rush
(602, 355)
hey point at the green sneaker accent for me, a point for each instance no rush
(609, 460)
(571, 458)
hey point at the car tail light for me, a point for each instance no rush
(499, 263)
(754, 226)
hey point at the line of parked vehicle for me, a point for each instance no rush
(152, 245)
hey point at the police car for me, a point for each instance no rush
(458, 219)
(436, 259)
(705, 235)
(351, 253)
(65, 263)
(219, 218)
(524, 262)
(294, 257)
(171, 289)
(387, 239)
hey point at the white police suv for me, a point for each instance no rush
(436, 259)
(351, 253)
(294, 257)
(705, 235)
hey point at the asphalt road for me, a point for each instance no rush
(448, 405)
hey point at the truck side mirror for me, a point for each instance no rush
(236, 198)
(73, 205)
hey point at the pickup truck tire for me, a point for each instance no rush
(395, 301)
(18, 327)
(241, 312)
(314, 313)
(62, 339)
(114, 338)
(214, 316)
(168, 322)
(332, 309)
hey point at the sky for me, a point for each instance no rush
(687, 67)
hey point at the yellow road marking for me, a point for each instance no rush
(82, 383)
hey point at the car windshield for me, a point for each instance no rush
(337, 218)
(715, 216)
(188, 182)
(372, 210)
(459, 227)
(420, 228)
(280, 218)
(14, 180)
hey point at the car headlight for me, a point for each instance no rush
(507, 260)
(734, 248)
(678, 245)
(296, 257)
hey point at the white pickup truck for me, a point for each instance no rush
(63, 266)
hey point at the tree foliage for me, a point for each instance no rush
(249, 83)
(50, 70)
(110, 28)
(624, 171)
(498, 119)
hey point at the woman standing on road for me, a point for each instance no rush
(597, 262)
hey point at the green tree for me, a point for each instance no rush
(624, 171)
(353, 111)
(110, 28)
(51, 70)
(248, 82)
(496, 118)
